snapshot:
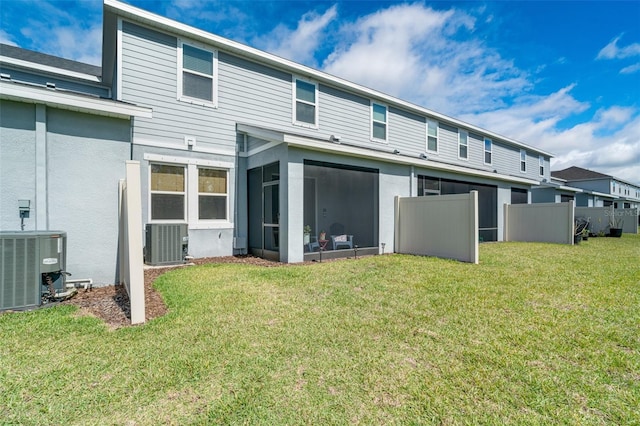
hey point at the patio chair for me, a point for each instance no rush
(313, 244)
(344, 241)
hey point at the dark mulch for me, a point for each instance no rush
(111, 303)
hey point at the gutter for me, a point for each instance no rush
(320, 145)
(144, 17)
(71, 101)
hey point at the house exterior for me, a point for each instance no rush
(559, 191)
(244, 147)
(598, 189)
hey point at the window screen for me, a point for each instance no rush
(197, 74)
(167, 192)
(212, 194)
(305, 102)
(379, 122)
(463, 144)
(432, 135)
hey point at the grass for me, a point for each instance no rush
(535, 334)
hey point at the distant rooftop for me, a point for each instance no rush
(578, 173)
(49, 60)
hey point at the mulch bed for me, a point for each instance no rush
(111, 303)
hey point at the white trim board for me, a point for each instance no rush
(49, 69)
(71, 101)
(324, 146)
(184, 160)
(174, 27)
(181, 146)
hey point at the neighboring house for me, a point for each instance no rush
(599, 189)
(63, 147)
(243, 146)
(559, 191)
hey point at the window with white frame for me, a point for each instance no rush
(167, 192)
(212, 194)
(463, 144)
(305, 103)
(523, 161)
(541, 163)
(378, 121)
(198, 74)
(432, 136)
(488, 150)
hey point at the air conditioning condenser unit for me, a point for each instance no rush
(166, 243)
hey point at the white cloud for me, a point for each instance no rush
(630, 69)
(71, 42)
(612, 51)
(609, 142)
(72, 32)
(300, 43)
(412, 51)
(6, 38)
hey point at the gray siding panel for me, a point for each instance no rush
(256, 94)
(61, 83)
(407, 132)
(447, 143)
(344, 114)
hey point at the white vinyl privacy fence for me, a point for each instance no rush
(130, 241)
(600, 218)
(442, 226)
(540, 222)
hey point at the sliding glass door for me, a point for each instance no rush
(264, 211)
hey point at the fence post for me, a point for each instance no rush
(134, 242)
(396, 239)
(505, 224)
(572, 220)
(121, 232)
(473, 226)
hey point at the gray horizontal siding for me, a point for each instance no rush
(344, 114)
(447, 143)
(255, 94)
(407, 132)
(61, 83)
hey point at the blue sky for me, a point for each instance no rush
(560, 76)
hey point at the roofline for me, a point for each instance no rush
(153, 19)
(71, 101)
(601, 194)
(560, 187)
(21, 63)
(605, 177)
(316, 144)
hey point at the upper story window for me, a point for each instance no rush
(378, 122)
(541, 163)
(167, 192)
(463, 144)
(488, 150)
(305, 100)
(613, 186)
(432, 135)
(197, 74)
(523, 161)
(212, 194)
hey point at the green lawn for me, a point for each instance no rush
(535, 334)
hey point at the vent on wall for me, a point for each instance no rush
(166, 243)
